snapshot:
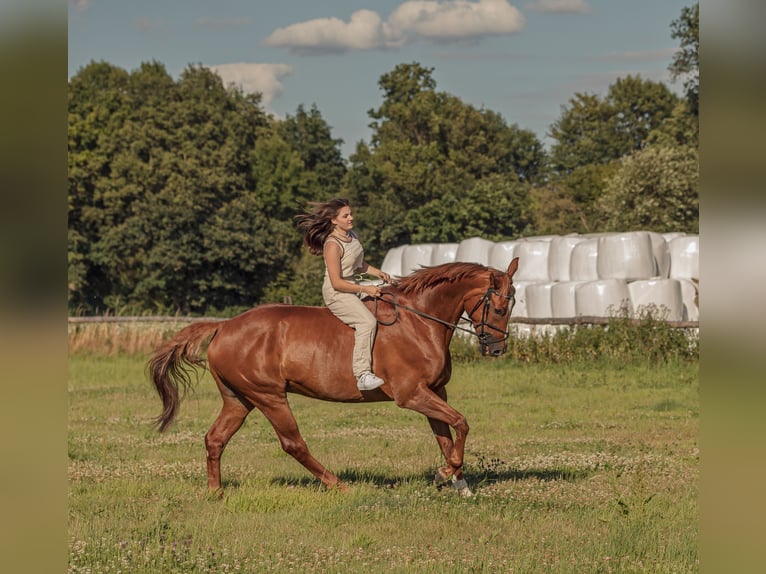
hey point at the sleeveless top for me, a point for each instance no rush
(351, 259)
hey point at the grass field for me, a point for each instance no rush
(575, 468)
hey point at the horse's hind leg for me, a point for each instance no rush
(229, 421)
(277, 411)
(442, 433)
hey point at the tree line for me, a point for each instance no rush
(181, 193)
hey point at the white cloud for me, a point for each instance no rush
(432, 20)
(559, 6)
(363, 32)
(457, 19)
(263, 78)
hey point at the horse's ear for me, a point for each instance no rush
(512, 267)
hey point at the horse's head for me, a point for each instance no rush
(490, 310)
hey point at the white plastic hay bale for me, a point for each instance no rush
(583, 265)
(392, 262)
(690, 297)
(443, 253)
(540, 238)
(416, 256)
(474, 250)
(598, 234)
(539, 300)
(663, 294)
(602, 298)
(563, 299)
(533, 261)
(669, 236)
(560, 256)
(626, 256)
(661, 252)
(501, 254)
(520, 308)
(684, 257)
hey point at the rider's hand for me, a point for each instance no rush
(371, 290)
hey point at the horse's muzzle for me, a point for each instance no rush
(493, 349)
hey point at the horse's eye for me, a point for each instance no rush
(500, 312)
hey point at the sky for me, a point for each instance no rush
(522, 59)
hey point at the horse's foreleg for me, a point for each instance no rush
(448, 474)
(229, 421)
(279, 414)
(441, 416)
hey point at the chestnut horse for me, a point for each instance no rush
(259, 356)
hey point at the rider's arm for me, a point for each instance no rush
(332, 254)
(370, 270)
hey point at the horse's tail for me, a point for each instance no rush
(172, 364)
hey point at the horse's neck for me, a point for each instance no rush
(444, 301)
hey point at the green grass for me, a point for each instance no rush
(576, 467)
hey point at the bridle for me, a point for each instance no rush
(484, 303)
(481, 328)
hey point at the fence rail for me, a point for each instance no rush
(591, 320)
(580, 320)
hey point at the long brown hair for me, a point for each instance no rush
(316, 223)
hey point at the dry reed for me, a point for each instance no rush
(120, 337)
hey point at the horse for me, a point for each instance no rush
(261, 355)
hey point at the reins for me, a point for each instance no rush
(417, 312)
(482, 336)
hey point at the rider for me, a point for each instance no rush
(327, 229)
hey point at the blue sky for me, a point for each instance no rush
(522, 59)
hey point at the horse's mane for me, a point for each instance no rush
(431, 276)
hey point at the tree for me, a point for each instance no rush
(593, 133)
(655, 189)
(428, 149)
(582, 134)
(495, 208)
(680, 129)
(685, 62)
(638, 107)
(300, 284)
(97, 101)
(554, 212)
(592, 130)
(176, 192)
(310, 137)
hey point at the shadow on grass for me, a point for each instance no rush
(474, 477)
(547, 475)
(351, 476)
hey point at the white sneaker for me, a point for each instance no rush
(368, 381)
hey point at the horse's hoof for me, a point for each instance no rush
(442, 477)
(339, 487)
(462, 487)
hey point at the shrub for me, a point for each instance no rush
(646, 339)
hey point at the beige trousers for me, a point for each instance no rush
(349, 308)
